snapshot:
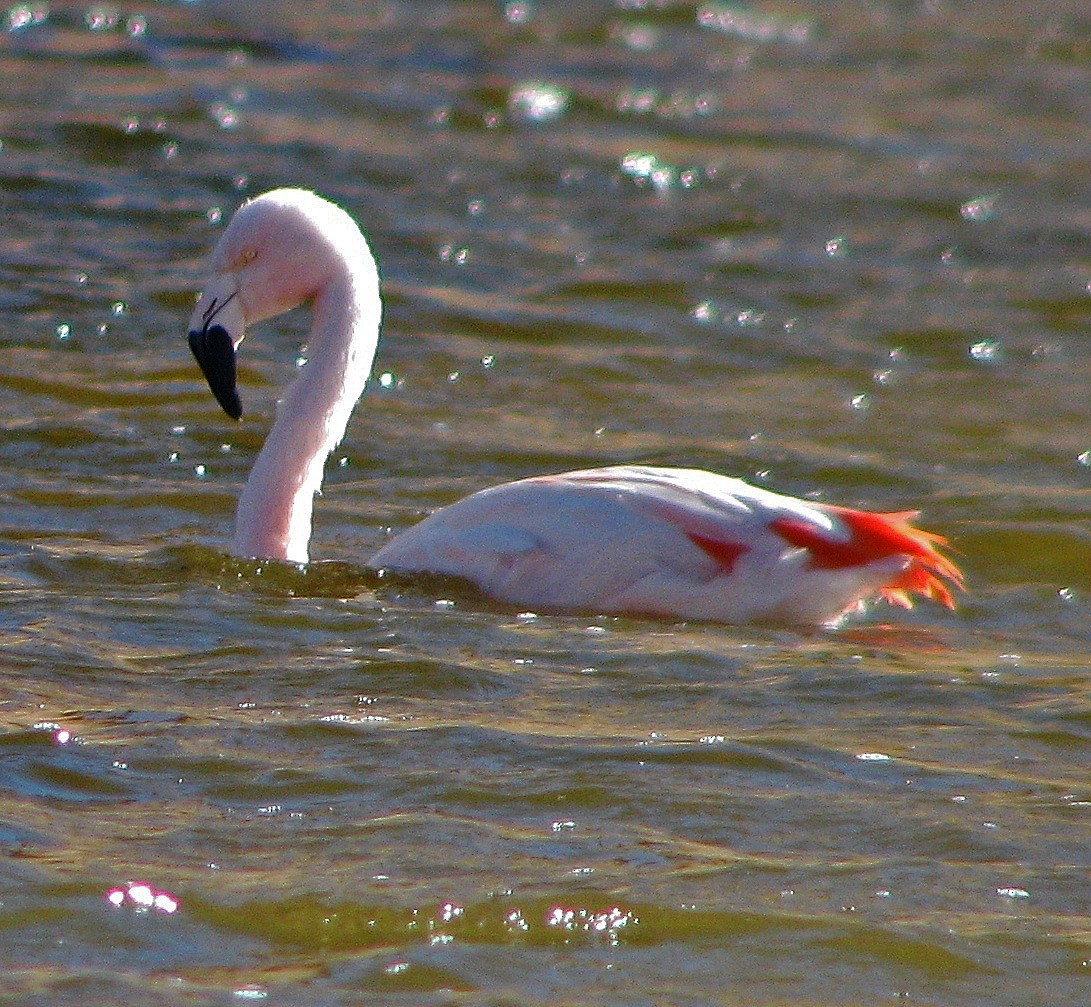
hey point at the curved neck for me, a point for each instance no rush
(273, 520)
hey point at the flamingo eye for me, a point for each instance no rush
(249, 254)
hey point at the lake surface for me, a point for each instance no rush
(842, 250)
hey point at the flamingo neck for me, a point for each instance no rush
(273, 520)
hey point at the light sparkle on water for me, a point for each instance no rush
(143, 897)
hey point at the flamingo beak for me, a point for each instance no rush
(215, 329)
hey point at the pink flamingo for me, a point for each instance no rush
(657, 541)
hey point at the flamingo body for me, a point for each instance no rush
(671, 542)
(659, 541)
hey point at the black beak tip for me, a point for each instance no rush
(231, 404)
(215, 353)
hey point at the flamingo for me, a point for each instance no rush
(666, 542)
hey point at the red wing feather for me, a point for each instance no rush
(873, 537)
(725, 553)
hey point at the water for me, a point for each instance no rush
(840, 250)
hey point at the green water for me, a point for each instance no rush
(842, 250)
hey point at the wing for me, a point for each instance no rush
(674, 542)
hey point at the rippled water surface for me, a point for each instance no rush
(840, 249)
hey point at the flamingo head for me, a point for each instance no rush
(279, 251)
